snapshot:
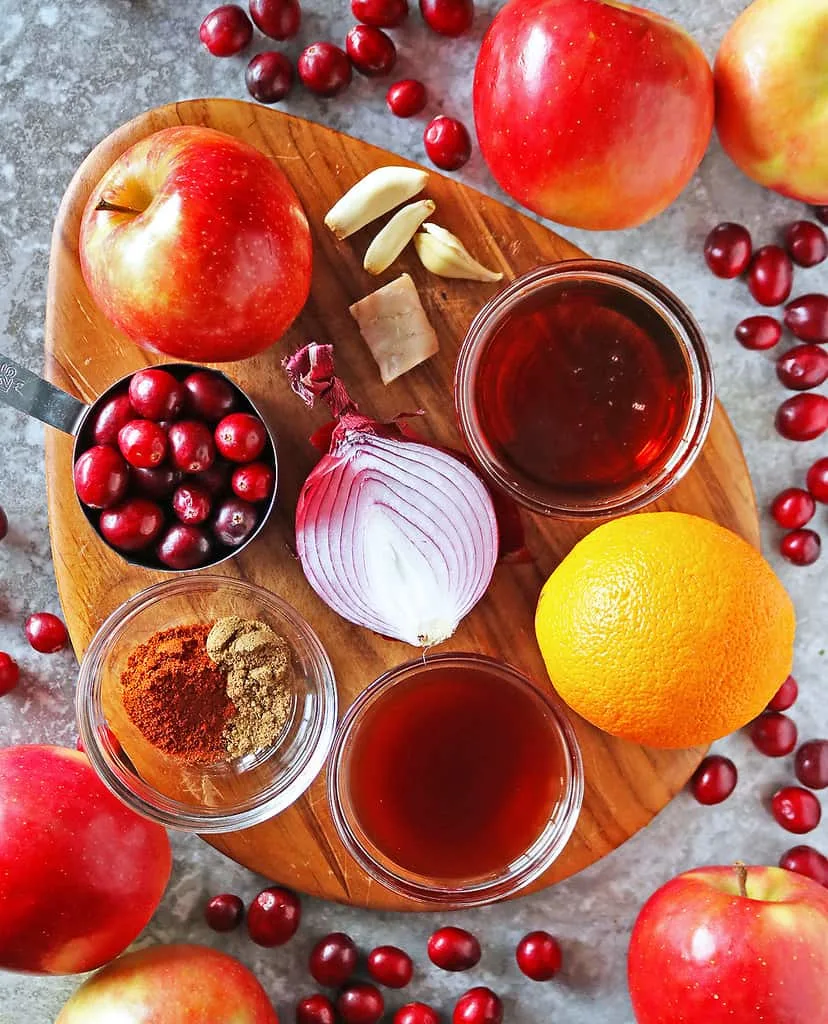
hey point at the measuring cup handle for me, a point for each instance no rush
(25, 391)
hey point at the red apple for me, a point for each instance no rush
(80, 873)
(772, 96)
(171, 985)
(593, 113)
(195, 245)
(704, 952)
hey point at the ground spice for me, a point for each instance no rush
(177, 695)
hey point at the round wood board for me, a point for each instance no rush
(626, 785)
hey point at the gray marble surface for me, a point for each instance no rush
(70, 72)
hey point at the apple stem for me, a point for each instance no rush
(741, 875)
(114, 208)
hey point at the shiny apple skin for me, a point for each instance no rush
(171, 985)
(702, 954)
(80, 873)
(218, 264)
(593, 114)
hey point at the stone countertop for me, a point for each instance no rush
(70, 72)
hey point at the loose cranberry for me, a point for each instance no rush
(269, 77)
(279, 19)
(115, 413)
(758, 332)
(315, 1009)
(4, 523)
(770, 275)
(806, 243)
(333, 959)
(46, 633)
(142, 443)
(156, 395)
(773, 734)
(192, 449)
(132, 525)
(241, 437)
(324, 69)
(821, 214)
(817, 480)
(156, 483)
(448, 17)
(382, 13)
(539, 956)
(253, 482)
(390, 966)
(191, 503)
(727, 250)
(209, 397)
(416, 1013)
(791, 509)
(447, 143)
(785, 696)
(453, 949)
(360, 1004)
(478, 1006)
(226, 30)
(802, 417)
(9, 673)
(796, 809)
(184, 547)
(224, 913)
(406, 97)
(803, 367)
(372, 52)
(216, 479)
(234, 521)
(273, 916)
(811, 764)
(714, 780)
(801, 547)
(807, 318)
(101, 476)
(805, 860)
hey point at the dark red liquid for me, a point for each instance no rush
(583, 389)
(455, 772)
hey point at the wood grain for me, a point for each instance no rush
(626, 785)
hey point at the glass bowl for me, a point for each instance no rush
(224, 796)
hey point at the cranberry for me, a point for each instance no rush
(796, 809)
(132, 525)
(46, 633)
(115, 413)
(539, 956)
(216, 479)
(226, 30)
(453, 949)
(224, 913)
(382, 13)
(714, 780)
(478, 1006)
(803, 367)
(807, 318)
(191, 503)
(390, 966)
(333, 959)
(315, 1009)
(406, 97)
(791, 509)
(324, 69)
(360, 1004)
(727, 250)
(9, 673)
(806, 243)
(447, 143)
(234, 521)
(802, 417)
(448, 17)
(155, 483)
(241, 437)
(372, 52)
(253, 482)
(773, 734)
(416, 1013)
(192, 448)
(101, 476)
(4, 523)
(107, 738)
(269, 77)
(801, 547)
(817, 480)
(184, 547)
(805, 860)
(770, 275)
(811, 764)
(785, 696)
(156, 395)
(758, 332)
(821, 214)
(273, 916)
(209, 397)
(279, 19)
(143, 443)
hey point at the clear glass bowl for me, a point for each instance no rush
(228, 795)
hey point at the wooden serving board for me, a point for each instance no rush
(626, 785)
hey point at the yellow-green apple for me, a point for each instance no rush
(80, 873)
(771, 79)
(729, 945)
(171, 985)
(594, 113)
(196, 245)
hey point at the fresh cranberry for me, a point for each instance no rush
(714, 780)
(192, 449)
(802, 417)
(143, 443)
(216, 479)
(406, 97)
(132, 525)
(796, 809)
(727, 250)
(333, 959)
(538, 955)
(773, 734)
(209, 397)
(805, 860)
(279, 19)
(233, 522)
(791, 509)
(315, 1009)
(817, 480)
(101, 476)
(46, 633)
(273, 916)
(448, 17)
(4, 523)
(191, 503)
(390, 966)
(224, 913)
(156, 483)
(115, 413)
(253, 482)
(770, 275)
(453, 949)
(785, 696)
(269, 77)
(241, 437)
(360, 1004)
(447, 143)
(807, 318)
(372, 52)
(226, 30)
(155, 394)
(416, 1013)
(803, 367)
(184, 547)
(478, 1006)
(324, 69)
(382, 13)
(801, 547)
(811, 764)
(9, 673)
(758, 332)
(806, 243)
(821, 214)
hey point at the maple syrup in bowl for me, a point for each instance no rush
(454, 779)
(584, 389)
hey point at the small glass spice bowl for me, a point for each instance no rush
(231, 794)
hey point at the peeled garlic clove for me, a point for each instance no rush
(396, 235)
(444, 254)
(372, 196)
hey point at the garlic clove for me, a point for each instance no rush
(396, 235)
(378, 192)
(444, 254)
